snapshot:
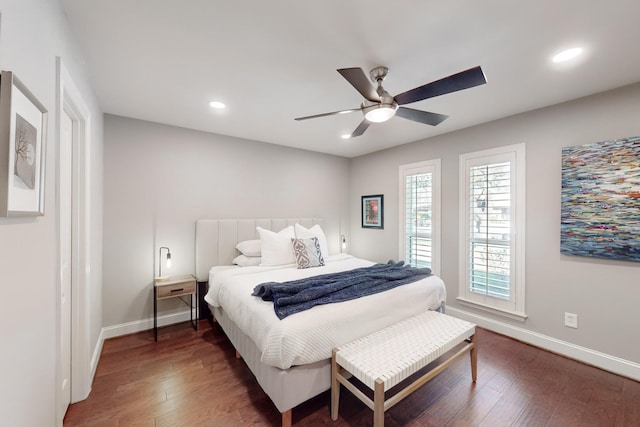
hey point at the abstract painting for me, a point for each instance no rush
(601, 200)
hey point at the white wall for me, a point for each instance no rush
(159, 179)
(604, 294)
(32, 34)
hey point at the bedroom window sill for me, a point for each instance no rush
(515, 315)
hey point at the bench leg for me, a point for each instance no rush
(286, 418)
(473, 354)
(335, 387)
(378, 404)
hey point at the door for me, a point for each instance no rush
(73, 341)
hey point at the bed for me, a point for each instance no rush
(290, 358)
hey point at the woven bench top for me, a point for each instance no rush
(396, 352)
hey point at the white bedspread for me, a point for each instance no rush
(310, 336)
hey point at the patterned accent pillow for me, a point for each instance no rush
(307, 252)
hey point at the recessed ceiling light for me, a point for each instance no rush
(568, 54)
(217, 104)
(345, 136)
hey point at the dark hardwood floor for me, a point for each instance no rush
(192, 378)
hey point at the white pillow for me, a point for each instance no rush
(276, 247)
(246, 261)
(250, 247)
(315, 231)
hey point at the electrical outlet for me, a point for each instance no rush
(571, 320)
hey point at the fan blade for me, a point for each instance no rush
(327, 114)
(360, 81)
(425, 117)
(462, 80)
(364, 124)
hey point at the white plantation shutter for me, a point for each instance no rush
(492, 229)
(419, 214)
(418, 251)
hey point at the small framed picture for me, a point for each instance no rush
(373, 211)
(23, 126)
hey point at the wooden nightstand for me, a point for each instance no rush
(172, 287)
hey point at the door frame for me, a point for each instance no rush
(69, 100)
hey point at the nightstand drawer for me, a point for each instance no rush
(177, 289)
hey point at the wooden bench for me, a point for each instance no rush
(386, 357)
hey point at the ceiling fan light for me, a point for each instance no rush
(380, 113)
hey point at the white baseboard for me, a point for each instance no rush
(97, 351)
(143, 325)
(600, 360)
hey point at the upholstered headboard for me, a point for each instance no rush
(216, 239)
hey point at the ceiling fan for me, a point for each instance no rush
(378, 106)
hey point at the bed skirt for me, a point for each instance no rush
(287, 388)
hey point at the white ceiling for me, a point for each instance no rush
(272, 61)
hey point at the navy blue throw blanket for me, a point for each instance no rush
(299, 295)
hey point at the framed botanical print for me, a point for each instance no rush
(23, 125)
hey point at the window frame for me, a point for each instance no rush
(428, 166)
(515, 306)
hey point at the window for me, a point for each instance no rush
(492, 229)
(420, 214)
